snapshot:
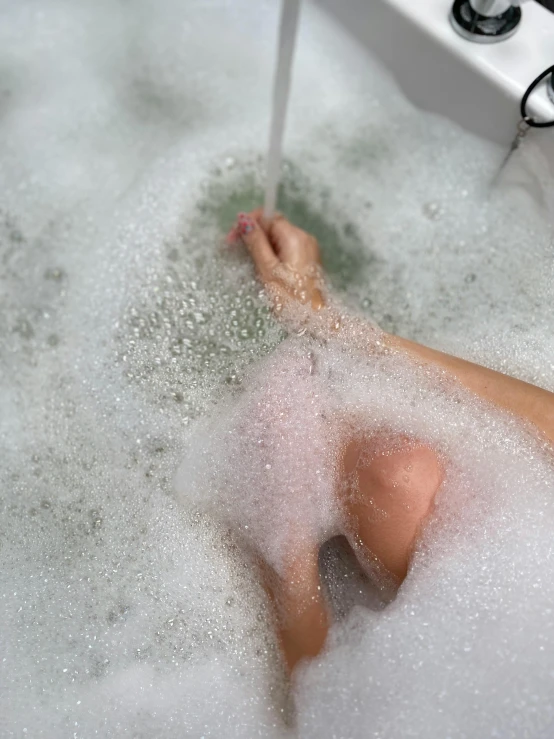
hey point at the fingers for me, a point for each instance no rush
(291, 244)
(281, 230)
(275, 241)
(286, 239)
(265, 223)
(257, 243)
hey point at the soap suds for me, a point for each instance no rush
(130, 136)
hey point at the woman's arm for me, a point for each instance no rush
(287, 260)
(527, 401)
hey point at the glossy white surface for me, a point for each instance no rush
(491, 7)
(478, 86)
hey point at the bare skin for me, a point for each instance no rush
(401, 480)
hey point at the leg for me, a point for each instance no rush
(387, 493)
(297, 596)
(282, 419)
(387, 488)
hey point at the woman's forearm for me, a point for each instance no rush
(286, 257)
(521, 398)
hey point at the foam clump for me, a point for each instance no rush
(130, 137)
(281, 496)
(480, 578)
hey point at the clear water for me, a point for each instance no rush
(130, 135)
(281, 93)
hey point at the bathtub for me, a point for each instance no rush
(477, 86)
(130, 135)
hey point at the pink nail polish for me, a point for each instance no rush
(245, 224)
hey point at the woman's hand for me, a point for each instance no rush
(286, 258)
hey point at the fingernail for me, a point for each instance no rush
(232, 237)
(245, 224)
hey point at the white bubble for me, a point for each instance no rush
(129, 136)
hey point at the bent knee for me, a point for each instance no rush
(388, 494)
(411, 476)
(399, 469)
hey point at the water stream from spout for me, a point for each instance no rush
(281, 89)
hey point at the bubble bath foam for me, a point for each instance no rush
(129, 139)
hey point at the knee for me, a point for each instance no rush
(412, 475)
(389, 493)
